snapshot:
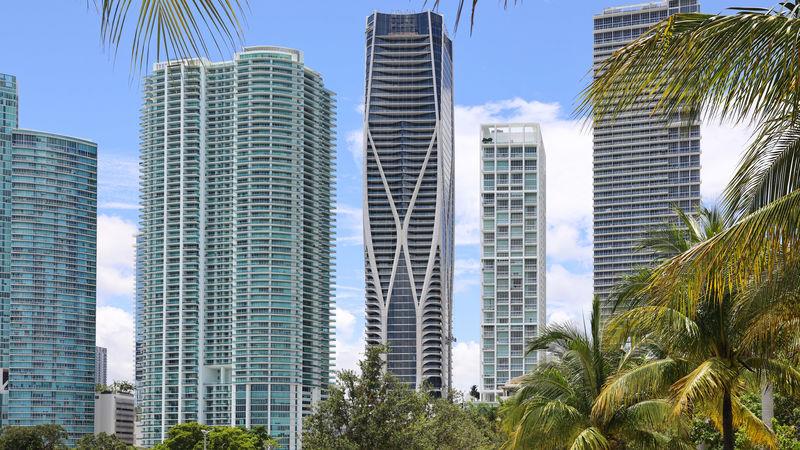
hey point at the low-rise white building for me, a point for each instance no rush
(114, 414)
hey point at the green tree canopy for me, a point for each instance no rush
(102, 441)
(189, 436)
(39, 437)
(374, 410)
(122, 387)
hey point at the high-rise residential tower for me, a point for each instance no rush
(48, 203)
(101, 365)
(408, 195)
(644, 163)
(512, 251)
(235, 253)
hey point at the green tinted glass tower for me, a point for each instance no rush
(235, 247)
(48, 267)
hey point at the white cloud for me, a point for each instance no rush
(118, 205)
(466, 365)
(721, 148)
(569, 294)
(568, 148)
(116, 250)
(348, 353)
(345, 322)
(112, 281)
(118, 179)
(466, 274)
(343, 291)
(355, 144)
(115, 331)
(558, 317)
(570, 241)
(467, 266)
(350, 225)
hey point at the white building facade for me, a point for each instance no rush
(512, 251)
(235, 253)
(114, 414)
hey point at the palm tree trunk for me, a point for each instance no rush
(767, 403)
(727, 422)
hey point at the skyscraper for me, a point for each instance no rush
(512, 251)
(644, 163)
(48, 263)
(101, 365)
(235, 251)
(408, 195)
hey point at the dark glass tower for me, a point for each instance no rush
(408, 195)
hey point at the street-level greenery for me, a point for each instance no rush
(102, 441)
(39, 437)
(189, 436)
(374, 410)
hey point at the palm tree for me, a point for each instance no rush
(552, 408)
(737, 68)
(711, 349)
(460, 10)
(170, 28)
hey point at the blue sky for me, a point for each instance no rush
(525, 63)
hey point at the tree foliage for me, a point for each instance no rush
(374, 410)
(170, 28)
(189, 436)
(102, 441)
(712, 350)
(473, 392)
(553, 409)
(39, 437)
(117, 387)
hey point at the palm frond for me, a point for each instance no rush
(734, 67)
(785, 376)
(769, 169)
(460, 10)
(704, 383)
(655, 414)
(749, 251)
(171, 28)
(652, 426)
(558, 337)
(547, 382)
(538, 419)
(590, 439)
(651, 379)
(768, 313)
(755, 430)
(668, 325)
(631, 291)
